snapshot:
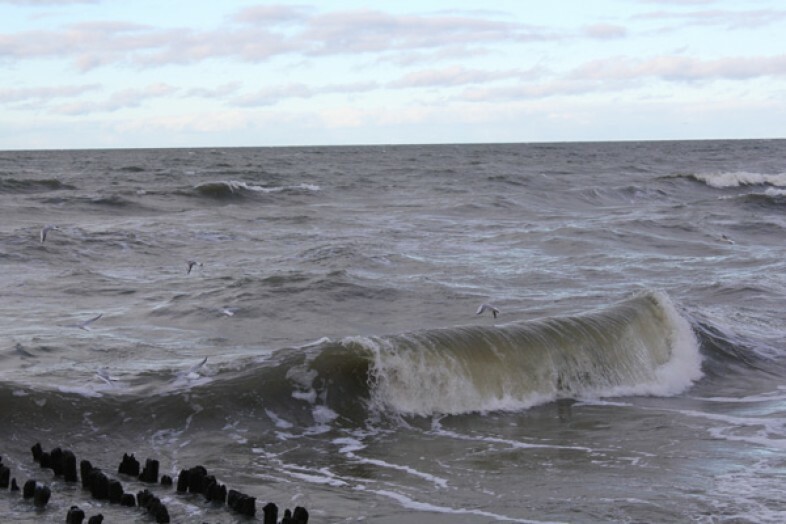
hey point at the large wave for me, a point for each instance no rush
(640, 346)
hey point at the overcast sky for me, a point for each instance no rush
(171, 73)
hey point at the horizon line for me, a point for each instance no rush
(398, 144)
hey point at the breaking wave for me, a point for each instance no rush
(739, 179)
(233, 189)
(638, 347)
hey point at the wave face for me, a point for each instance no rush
(233, 189)
(20, 185)
(638, 347)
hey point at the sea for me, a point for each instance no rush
(302, 322)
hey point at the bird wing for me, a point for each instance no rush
(195, 367)
(86, 323)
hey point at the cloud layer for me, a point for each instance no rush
(315, 66)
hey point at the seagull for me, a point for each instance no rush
(195, 367)
(46, 229)
(191, 264)
(104, 375)
(484, 307)
(193, 371)
(726, 239)
(228, 311)
(86, 324)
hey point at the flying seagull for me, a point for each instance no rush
(46, 229)
(191, 264)
(726, 239)
(484, 307)
(228, 311)
(86, 324)
(104, 375)
(195, 367)
(193, 372)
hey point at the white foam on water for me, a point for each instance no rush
(751, 493)
(83, 391)
(410, 503)
(325, 478)
(741, 178)
(323, 415)
(277, 420)
(236, 185)
(760, 431)
(350, 446)
(514, 444)
(775, 192)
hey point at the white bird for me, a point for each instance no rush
(726, 239)
(46, 229)
(195, 367)
(191, 264)
(86, 324)
(484, 307)
(104, 375)
(192, 373)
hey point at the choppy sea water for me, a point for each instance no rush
(635, 372)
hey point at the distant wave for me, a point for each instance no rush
(132, 169)
(772, 198)
(233, 189)
(775, 193)
(15, 185)
(738, 179)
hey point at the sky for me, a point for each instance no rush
(198, 73)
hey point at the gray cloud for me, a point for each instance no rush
(605, 31)
(34, 94)
(127, 98)
(365, 31)
(549, 88)
(455, 76)
(95, 44)
(274, 14)
(256, 34)
(221, 91)
(679, 2)
(275, 94)
(621, 73)
(37, 3)
(614, 74)
(742, 19)
(678, 68)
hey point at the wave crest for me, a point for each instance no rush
(14, 185)
(739, 178)
(233, 189)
